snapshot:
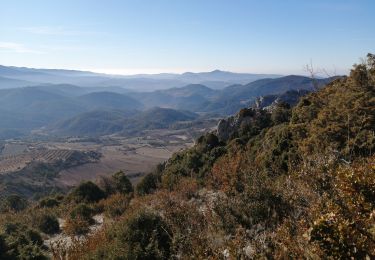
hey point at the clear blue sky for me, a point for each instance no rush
(278, 36)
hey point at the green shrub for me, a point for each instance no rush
(106, 184)
(140, 235)
(31, 252)
(21, 242)
(281, 113)
(252, 126)
(48, 203)
(87, 192)
(83, 212)
(79, 220)
(335, 238)
(122, 183)
(4, 248)
(48, 224)
(13, 203)
(208, 141)
(148, 184)
(143, 236)
(246, 112)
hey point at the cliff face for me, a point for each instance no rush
(226, 127)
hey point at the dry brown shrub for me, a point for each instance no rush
(115, 205)
(77, 226)
(226, 173)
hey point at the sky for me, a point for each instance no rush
(154, 36)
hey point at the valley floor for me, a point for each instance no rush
(135, 156)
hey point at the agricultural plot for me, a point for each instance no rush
(135, 156)
(67, 162)
(12, 163)
(13, 149)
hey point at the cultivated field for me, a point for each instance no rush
(135, 156)
(14, 160)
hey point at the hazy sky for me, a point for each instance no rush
(140, 36)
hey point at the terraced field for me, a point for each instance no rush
(12, 163)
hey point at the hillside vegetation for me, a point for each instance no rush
(283, 183)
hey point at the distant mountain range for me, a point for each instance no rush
(103, 109)
(13, 77)
(200, 98)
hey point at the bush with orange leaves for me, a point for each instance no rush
(115, 205)
(226, 174)
(346, 226)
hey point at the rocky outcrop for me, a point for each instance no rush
(229, 127)
(290, 97)
(226, 128)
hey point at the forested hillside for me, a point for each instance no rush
(280, 183)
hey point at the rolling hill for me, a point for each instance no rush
(92, 123)
(25, 109)
(104, 122)
(231, 99)
(29, 108)
(200, 98)
(190, 97)
(105, 100)
(13, 83)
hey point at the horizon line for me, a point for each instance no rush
(146, 71)
(151, 72)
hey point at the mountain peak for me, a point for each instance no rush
(217, 71)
